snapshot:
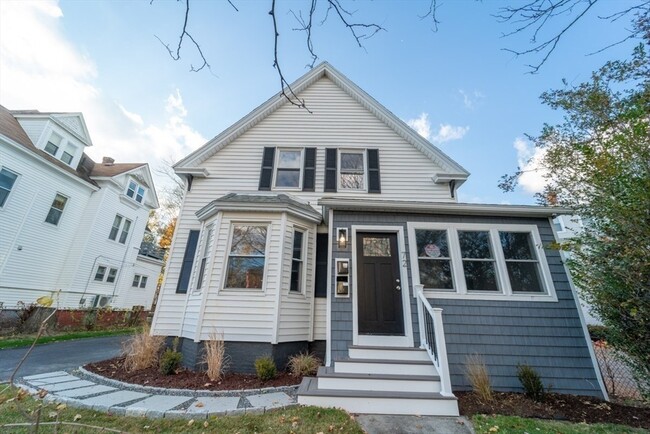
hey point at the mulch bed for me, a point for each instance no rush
(555, 406)
(185, 379)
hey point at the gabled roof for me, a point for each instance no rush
(109, 170)
(72, 122)
(323, 70)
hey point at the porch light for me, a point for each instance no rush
(342, 237)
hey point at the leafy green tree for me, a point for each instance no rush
(597, 162)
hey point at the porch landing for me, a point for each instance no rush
(380, 380)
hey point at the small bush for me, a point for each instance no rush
(170, 361)
(214, 356)
(265, 368)
(90, 319)
(531, 381)
(142, 350)
(478, 376)
(303, 364)
(597, 332)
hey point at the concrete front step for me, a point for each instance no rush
(388, 353)
(374, 402)
(387, 367)
(329, 379)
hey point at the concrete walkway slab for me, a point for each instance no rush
(270, 400)
(113, 398)
(160, 402)
(85, 391)
(211, 404)
(53, 380)
(46, 375)
(67, 385)
(380, 424)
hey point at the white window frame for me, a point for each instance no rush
(135, 191)
(105, 267)
(339, 154)
(108, 274)
(145, 280)
(120, 229)
(13, 187)
(59, 147)
(203, 255)
(224, 271)
(136, 281)
(276, 167)
(505, 291)
(65, 206)
(302, 282)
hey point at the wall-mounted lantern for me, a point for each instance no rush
(342, 237)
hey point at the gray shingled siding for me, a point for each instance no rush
(545, 335)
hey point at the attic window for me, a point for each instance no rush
(53, 144)
(68, 155)
(135, 191)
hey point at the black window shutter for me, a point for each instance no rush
(188, 260)
(309, 173)
(374, 181)
(330, 169)
(266, 174)
(322, 241)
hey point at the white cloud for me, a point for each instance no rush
(42, 70)
(471, 99)
(445, 133)
(529, 159)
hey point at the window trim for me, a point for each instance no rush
(13, 186)
(114, 277)
(202, 260)
(135, 191)
(105, 267)
(339, 154)
(276, 167)
(120, 229)
(503, 280)
(136, 280)
(302, 282)
(224, 271)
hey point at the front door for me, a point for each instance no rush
(379, 288)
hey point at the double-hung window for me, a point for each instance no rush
(352, 167)
(7, 181)
(107, 274)
(296, 262)
(112, 273)
(247, 257)
(100, 273)
(139, 281)
(485, 261)
(288, 168)
(53, 144)
(56, 209)
(120, 224)
(135, 191)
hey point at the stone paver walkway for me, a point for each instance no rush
(85, 390)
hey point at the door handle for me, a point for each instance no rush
(399, 288)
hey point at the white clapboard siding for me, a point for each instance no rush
(34, 128)
(128, 295)
(320, 319)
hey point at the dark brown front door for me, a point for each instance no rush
(379, 289)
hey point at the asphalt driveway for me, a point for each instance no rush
(57, 356)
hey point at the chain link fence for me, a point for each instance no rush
(617, 375)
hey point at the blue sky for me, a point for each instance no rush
(455, 86)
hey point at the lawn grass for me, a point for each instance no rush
(296, 419)
(497, 424)
(24, 341)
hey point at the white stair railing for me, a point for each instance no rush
(432, 338)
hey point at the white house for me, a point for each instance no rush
(69, 223)
(337, 230)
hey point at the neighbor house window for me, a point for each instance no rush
(352, 170)
(56, 209)
(521, 261)
(296, 262)
(53, 144)
(135, 191)
(143, 281)
(483, 261)
(7, 181)
(434, 261)
(287, 174)
(139, 281)
(101, 272)
(247, 256)
(112, 272)
(121, 226)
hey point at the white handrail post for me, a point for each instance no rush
(419, 291)
(441, 347)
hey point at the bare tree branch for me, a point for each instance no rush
(233, 6)
(367, 30)
(433, 13)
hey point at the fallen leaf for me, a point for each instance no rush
(61, 407)
(52, 414)
(191, 422)
(22, 393)
(45, 301)
(42, 393)
(206, 424)
(199, 404)
(77, 417)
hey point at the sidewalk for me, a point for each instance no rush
(82, 389)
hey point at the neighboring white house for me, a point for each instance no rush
(337, 230)
(68, 223)
(566, 227)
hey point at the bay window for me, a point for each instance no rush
(247, 257)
